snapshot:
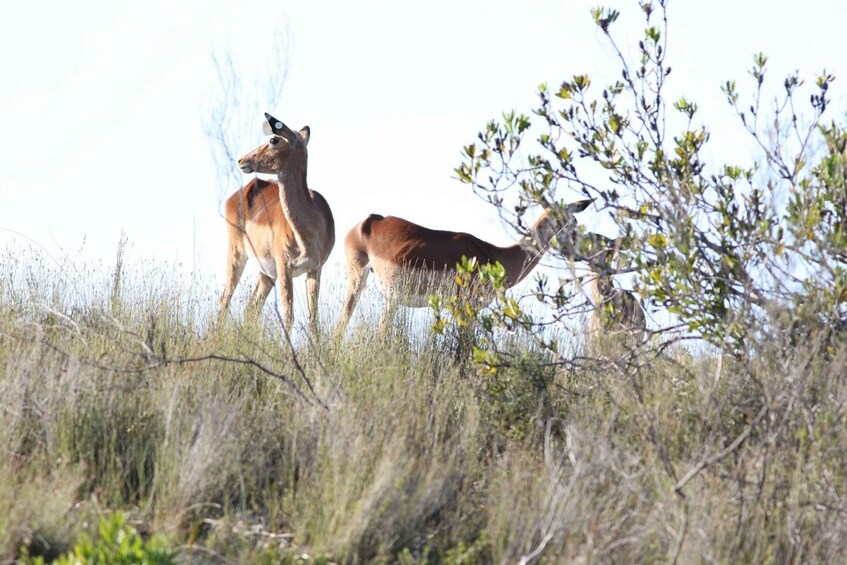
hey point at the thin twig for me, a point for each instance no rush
(294, 358)
(707, 461)
(159, 362)
(240, 361)
(536, 553)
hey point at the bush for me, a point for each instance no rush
(116, 543)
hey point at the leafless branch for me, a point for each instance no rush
(707, 461)
(536, 553)
(239, 103)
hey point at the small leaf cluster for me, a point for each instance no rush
(479, 285)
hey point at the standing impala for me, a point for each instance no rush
(393, 248)
(284, 225)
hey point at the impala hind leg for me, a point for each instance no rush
(235, 262)
(260, 294)
(313, 287)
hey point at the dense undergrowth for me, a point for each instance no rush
(117, 397)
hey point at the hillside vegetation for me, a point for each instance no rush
(116, 398)
(137, 426)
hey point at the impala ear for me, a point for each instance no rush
(275, 126)
(305, 133)
(579, 205)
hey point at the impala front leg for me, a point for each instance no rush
(389, 314)
(235, 262)
(286, 297)
(313, 286)
(357, 277)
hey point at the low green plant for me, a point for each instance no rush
(116, 543)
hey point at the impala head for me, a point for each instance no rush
(554, 223)
(286, 147)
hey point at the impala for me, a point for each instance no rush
(615, 310)
(284, 225)
(395, 248)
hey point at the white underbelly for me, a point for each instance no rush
(267, 266)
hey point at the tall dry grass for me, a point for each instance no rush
(119, 391)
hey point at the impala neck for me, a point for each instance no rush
(595, 294)
(296, 201)
(521, 258)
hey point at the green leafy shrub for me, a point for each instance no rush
(116, 543)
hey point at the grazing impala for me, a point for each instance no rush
(615, 310)
(393, 248)
(284, 225)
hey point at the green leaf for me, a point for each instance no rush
(581, 82)
(653, 34)
(658, 241)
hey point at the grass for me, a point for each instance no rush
(120, 393)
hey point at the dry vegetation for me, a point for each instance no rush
(118, 395)
(124, 401)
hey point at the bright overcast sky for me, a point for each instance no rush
(102, 102)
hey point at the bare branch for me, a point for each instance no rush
(240, 102)
(707, 461)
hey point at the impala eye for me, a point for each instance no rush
(273, 140)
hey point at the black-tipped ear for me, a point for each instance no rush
(579, 205)
(276, 126)
(305, 133)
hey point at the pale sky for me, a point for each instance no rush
(103, 102)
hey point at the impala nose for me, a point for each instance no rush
(245, 165)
